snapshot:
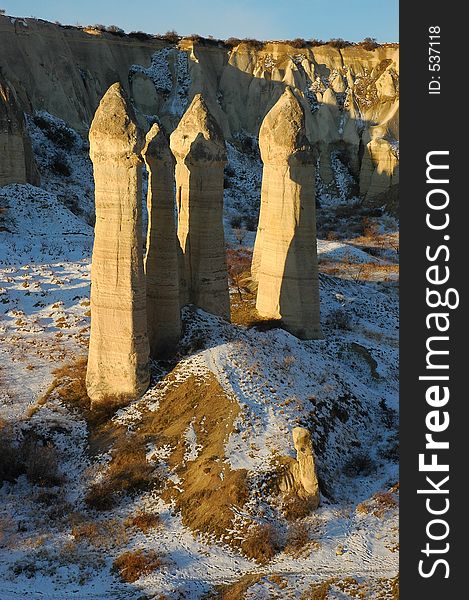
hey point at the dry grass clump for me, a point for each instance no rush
(261, 543)
(236, 590)
(297, 539)
(31, 456)
(319, 590)
(143, 521)
(378, 505)
(133, 564)
(69, 385)
(41, 462)
(101, 534)
(128, 472)
(294, 507)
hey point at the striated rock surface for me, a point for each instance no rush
(161, 259)
(118, 366)
(16, 157)
(66, 70)
(298, 477)
(199, 148)
(306, 466)
(285, 250)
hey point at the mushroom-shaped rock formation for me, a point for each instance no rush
(285, 256)
(161, 259)
(200, 151)
(118, 365)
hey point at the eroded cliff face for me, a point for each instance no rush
(351, 95)
(16, 157)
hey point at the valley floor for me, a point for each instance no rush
(277, 380)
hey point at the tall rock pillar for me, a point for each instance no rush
(200, 151)
(285, 251)
(161, 259)
(118, 366)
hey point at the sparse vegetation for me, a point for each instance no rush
(30, 455)
(132, 565)
(378, 505)
(297, 538)
(144, 521)
(101, 534)
(339, 318)
(261, 543)
(294, 507)
(171, 37)
(369, 43)
(140, 35)
(128, 472)
(59, 164)
(59, 134)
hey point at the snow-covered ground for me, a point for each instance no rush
(344, 388)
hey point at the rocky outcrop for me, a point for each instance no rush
(285, 248)
(298, 477)
(65, 71)
(161, 259)
(200, 152)
(16, 157)
(118, 366)
(380, 168)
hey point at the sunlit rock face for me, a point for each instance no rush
(118, 362)
(285, 260)
(199, 148)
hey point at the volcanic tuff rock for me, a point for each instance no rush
(65, 71)
(16, 157)
(118, 365)
(299, 476)
(200, 152)
(306, 466)
(161, 259)
(285, 260)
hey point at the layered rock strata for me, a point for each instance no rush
(161, 259)
(16, 157)
(118, 361)
(285, 258)
(298, 477)
(199, 148)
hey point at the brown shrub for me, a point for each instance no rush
(318, 591)
(236, 590)
(298, 43)
(249, 42)
(101, 534)
(378, 505)
(369, 43)
(294, 507)
(170, 36)
(32, 457)
(261, 543)
(131, 565)
(42, 463)
(143, 521)
(339, 43)
(297, 538)
(128, 472)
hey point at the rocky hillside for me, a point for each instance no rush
(352, 93)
